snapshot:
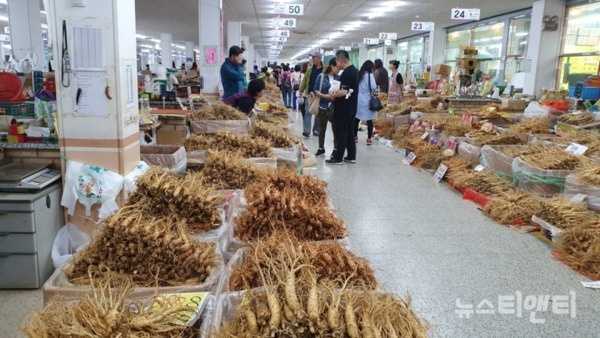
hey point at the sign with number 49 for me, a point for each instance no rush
(465, 14)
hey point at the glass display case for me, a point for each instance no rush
(580, 55)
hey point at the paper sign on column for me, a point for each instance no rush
(88, 49)
(92, 101)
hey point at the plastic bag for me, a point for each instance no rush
(69, 240)
(542, 182)
(534, 109)
(469, 152)
(90, 185)
(131, 178)
(592, 192)
(493, 158)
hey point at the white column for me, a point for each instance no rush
(166, 49)
(543, 49)
(189, 51)
(437, 47)
(234, 33)
(211, 43)
(26, 31)
(363, 55)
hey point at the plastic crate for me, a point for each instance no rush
(17, 109)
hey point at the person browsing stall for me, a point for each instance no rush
(245, 102)
(232, 73)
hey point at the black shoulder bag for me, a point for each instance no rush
(374, 102)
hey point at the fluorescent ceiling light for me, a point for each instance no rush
(3, 18)
(43, 12)
(155, 40)
(141, 36)
(3, 2)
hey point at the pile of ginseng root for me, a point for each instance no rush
(276, 136)
(226, 170)
(106, 312)
(218, 111)
(180, 198)
(288, 202)
(150, 251)
(331, 261)
(293, 303)
(246, 145)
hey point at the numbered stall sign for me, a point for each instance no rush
(286, 22)
(420, 26)
(388, 36)
(285, 33)
(465, 14)
(371, 41)
(289, 9)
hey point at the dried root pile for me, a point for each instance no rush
(527, 149)
(484, 138)
(484, 182)
(271, 208)
(512, 207)
(246, 145)
(579, 119)
(180, 198)
(396, 109)
(538, 125)
(273, 120)
(218, 111)
(332, 263)
(309, 188)
(294, 304)
(149, 251)
(105, 313)
(591, 139)
(580, 248)
(429, 156)
(566, 215)
(224, 170)
(589, 174)
(384, 127)
(553, 159)
(277, 137)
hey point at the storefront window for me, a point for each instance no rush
(403, 51)
(518, 39)
(456, 41)
(488, 40)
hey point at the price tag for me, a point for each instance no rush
(479, 168)
(425, 136)
(410, 158)
(576, 149)
(465, 14)
(440, 173)
(388, 36)
(286, 22)
(420, 26)
(370, 41)
(289, 9)
(193, 300)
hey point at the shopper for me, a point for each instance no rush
(396, 83)
(306, 88)
(232, 73)
(245, 101)
(306, 117)
(321, 89)
(296, 80)
(285, 80)
(345, 103)
(366, 90)
(381, 76)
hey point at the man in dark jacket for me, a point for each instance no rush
(232, 73)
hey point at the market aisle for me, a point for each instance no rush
(423, 239)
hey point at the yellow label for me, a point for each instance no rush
(194, 300)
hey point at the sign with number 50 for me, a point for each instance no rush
(289, 9)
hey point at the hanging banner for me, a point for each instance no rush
(465, 14)
(420, 26)
(289, 9)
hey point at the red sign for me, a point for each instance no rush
(210, 56)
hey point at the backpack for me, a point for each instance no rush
(286, 80)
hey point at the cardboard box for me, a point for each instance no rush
(171, 135)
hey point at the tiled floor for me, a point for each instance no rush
(424, 241)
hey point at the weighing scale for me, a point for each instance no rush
(20, 177)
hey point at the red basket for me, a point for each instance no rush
(11, 88)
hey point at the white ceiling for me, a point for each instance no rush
(321, 18)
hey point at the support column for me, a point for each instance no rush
(210, 26)
(189, 52)
(543, 49)
(363, 55)
(166, 49)
(26, 31)
(248, 54)
(437, 47)
(234, 33)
